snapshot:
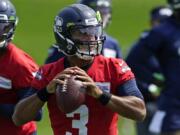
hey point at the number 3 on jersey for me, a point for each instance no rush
(81, 123)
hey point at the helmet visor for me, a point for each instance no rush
(90, 31)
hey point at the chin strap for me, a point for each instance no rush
(84, 57)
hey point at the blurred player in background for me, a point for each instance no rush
(110, 85)
(111, 46)
(163, 42)
(16, 72)
(148, 72)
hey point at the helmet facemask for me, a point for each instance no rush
(87, 40)
(6, 32)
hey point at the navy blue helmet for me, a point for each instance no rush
(160, 13)
(8, 21)
(78, 19)
(103, 6)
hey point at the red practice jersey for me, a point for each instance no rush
(16, 72)
(91, 118)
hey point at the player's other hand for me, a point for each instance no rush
(88, 83)
(59, 79)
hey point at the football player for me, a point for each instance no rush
(16, 73)
(110, 85)
(163, 43)
(111, 47)
(149, 77)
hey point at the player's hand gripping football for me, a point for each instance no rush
(59, 79)
(88, 83)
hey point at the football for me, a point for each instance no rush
(70, 95)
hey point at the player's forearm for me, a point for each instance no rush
(129, 106)
(27, 110)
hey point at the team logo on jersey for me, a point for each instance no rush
(124, 67)
(5, 83)
(34, 74)
(38, 75)
(104, 86)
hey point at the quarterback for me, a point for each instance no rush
(110, 85)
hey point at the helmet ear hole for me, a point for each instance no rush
(71, 48)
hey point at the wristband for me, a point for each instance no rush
(43, 95)
(104, 98)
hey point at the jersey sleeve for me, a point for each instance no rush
(25, 72)
(45, 74)
(40, 80)
(122, 71)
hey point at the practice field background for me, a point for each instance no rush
(34, 33)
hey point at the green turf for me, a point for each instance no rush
(35, 32)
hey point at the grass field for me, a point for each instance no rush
(34, 33)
